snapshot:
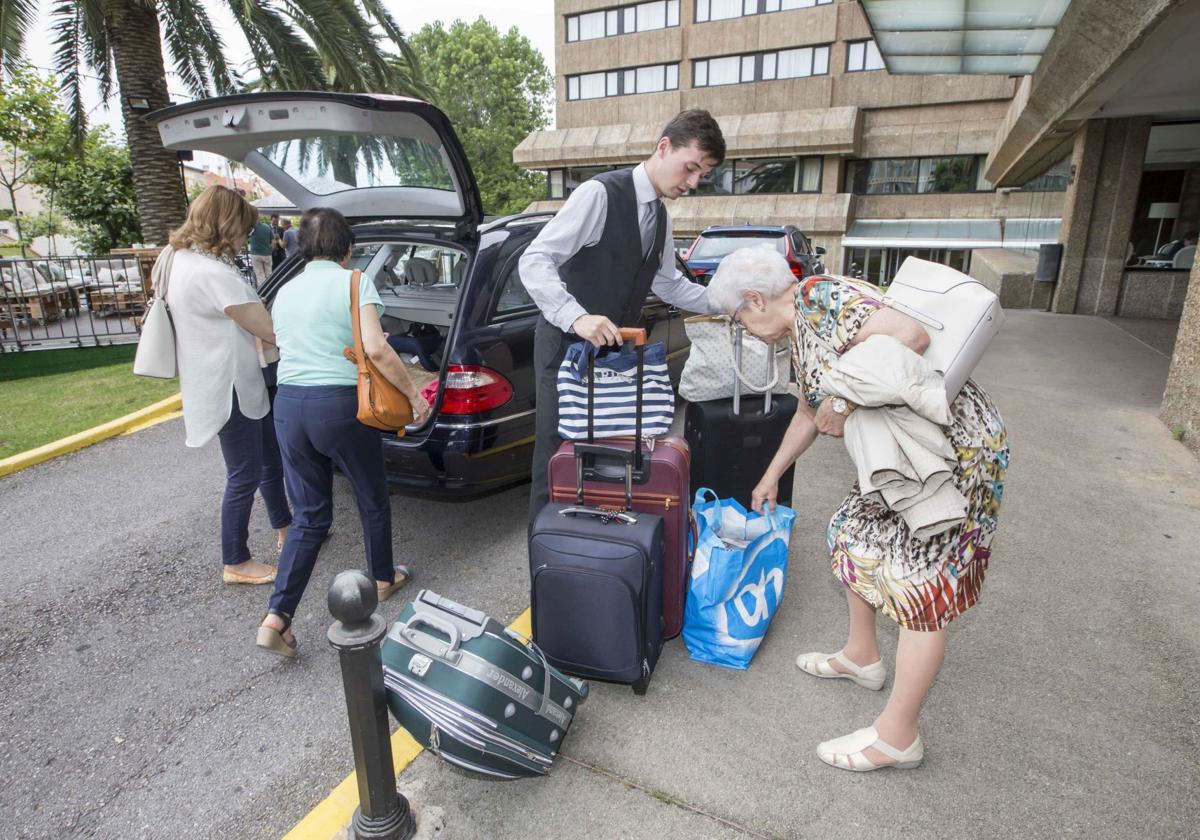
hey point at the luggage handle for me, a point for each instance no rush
(447, 652)
(622, 472)
(638, 336)
(600, 513)
(738, 334)
(471, 623)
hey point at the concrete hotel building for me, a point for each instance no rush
(872, 166)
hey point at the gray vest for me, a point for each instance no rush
(613, 277)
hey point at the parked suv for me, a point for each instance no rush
(714, 243)
(454, 302)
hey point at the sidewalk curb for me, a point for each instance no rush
(331, 816)
(140, 419)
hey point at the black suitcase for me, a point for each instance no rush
(596, 584)
(732, 446)
(596, 575)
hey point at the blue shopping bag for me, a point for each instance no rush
(615, 392)
(737, 579)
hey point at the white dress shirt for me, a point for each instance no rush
(579, 224)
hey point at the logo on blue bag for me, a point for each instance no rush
(604, 375)
(749, 612)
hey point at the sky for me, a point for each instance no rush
(533, 18)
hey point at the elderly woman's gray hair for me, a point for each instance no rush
(751, 269)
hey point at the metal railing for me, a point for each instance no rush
(55, 302)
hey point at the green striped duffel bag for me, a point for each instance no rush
(474, 692)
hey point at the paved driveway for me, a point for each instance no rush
(135, 705)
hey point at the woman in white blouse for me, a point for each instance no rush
(217, 318)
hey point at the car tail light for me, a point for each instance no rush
(470, 389)
(795, 265)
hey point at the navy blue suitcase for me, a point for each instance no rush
(596, 579)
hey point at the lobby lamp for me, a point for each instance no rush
(1162, 210)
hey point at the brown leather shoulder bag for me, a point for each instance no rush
(381, 404)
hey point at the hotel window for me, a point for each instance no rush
(709, 10)
(751, 176)
(623, 20)
(784, 64)
(562, 182)
(1054, 180)
(863, 55)
(911, 176)
(655, 77)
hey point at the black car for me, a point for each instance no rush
(455, 306)
(716, 242)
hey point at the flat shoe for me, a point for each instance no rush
(847, 752)
(817, 664)
(251, 580)
(399, 581)
(272, 641)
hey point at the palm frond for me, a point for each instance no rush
(197, 48)
(16, 19)
(66, 23)
(96, 53)
(284, 58)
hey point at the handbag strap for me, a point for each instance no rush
(356, 322)
(161, 273)
(735, 337)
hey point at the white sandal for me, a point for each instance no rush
(846, 752)
(868, 676)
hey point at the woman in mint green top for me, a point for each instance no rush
(316, 422)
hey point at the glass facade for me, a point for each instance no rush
(623, 20)
(743, 176)
(710, 10)
(794, 63)
(879, 265)
(910, 176)
(624, 82)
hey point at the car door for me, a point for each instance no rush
(369, 156)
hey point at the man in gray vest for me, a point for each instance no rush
(592, 266)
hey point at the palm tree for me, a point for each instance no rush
(294, 45)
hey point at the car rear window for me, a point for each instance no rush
(337, 162)
(716, 245)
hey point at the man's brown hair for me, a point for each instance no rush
(698, 125)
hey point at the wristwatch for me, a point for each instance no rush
(840, 406)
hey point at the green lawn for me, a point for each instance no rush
(49, 394)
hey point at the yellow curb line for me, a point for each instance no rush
(148, 416)
(334, 813)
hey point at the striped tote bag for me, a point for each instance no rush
(616, 373)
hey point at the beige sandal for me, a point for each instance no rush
(273, 641)
(401, 578)
(230, 576)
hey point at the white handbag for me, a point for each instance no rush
(155, 354)
(961, 315)
(712, 366)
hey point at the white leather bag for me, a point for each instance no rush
(712, 365)
(961, 315)
(155, 354)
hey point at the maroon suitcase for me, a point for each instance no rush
(661, 485)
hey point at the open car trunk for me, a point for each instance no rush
(370, 156)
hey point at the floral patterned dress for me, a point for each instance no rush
(921, 584)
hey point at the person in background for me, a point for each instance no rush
(289, 237)
(921, 584)
(1173, 247)
(217, 319)
(260, 250)
(277, 253)
(591, 267)
(316, 415)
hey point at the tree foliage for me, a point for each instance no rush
(32, 125)
(495, 89)
(95, 191)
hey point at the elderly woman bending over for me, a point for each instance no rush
(921, 584)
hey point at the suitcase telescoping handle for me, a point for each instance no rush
(631, 461)
(738, 334)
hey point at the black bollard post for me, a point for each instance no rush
(382, 814)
